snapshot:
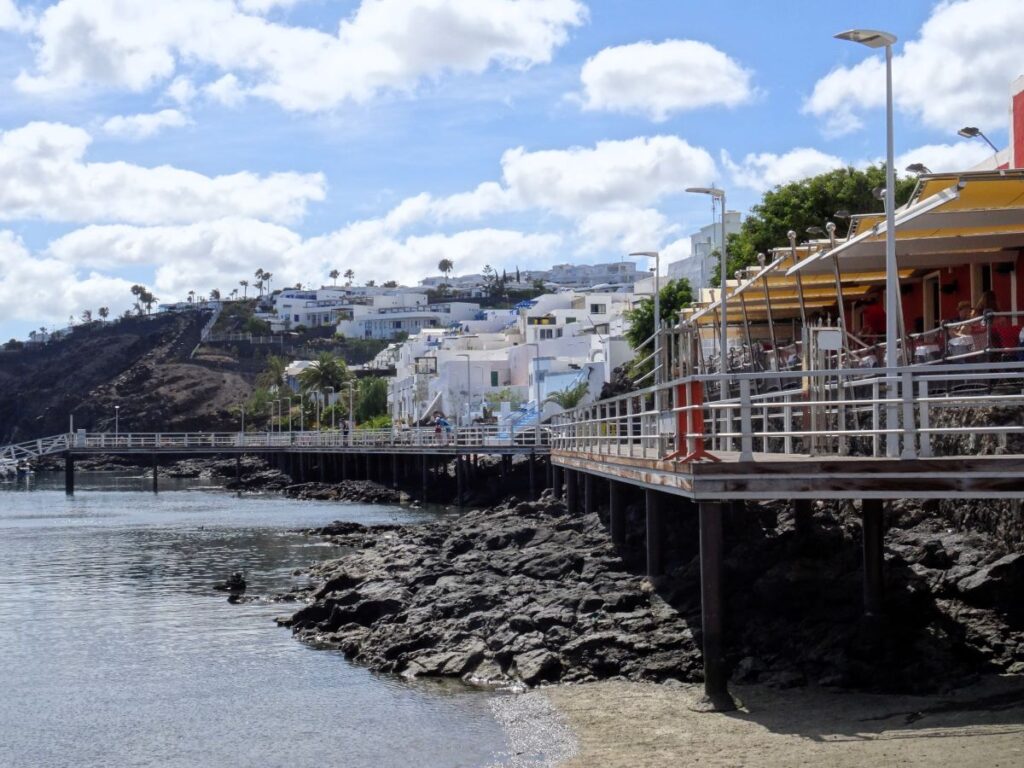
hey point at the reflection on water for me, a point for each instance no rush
(117, 652)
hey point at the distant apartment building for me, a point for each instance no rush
(699, 266)
(610, 276)
(391, 320)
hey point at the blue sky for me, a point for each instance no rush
(183, 145)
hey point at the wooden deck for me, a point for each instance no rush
(778, 476)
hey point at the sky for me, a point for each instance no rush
(184, 145)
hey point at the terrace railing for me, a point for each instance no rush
(910, 412)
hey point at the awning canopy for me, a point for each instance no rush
(951, 220)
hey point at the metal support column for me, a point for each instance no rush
(716, 692)
(69, 473)
(571, 492)
(556, 481)
(802, 516)
(588, 493)
(532, 461)
(156, 467)
(873, 532)
(616, 513)
(424, 476)
(460, 480)
(394, 470)
(655, 535)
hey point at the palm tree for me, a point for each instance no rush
(445, 266)
(333, 274)
(569, 397)
(245, 288)
(326, 371)
(215, 294)
(191, 296)
(266, 280)
(274, 374)
(349, 277)
(104, 312)
(371, 283)
(258, 274)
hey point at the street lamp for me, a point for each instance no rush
(469, 390)
(117, 421)
(875, 39)
(657, 310)
(289, 399)
(331, 406)
(723, 273)
(970, 132)
(536, 385)
(918, 168)
(302, 413)
(351, 412)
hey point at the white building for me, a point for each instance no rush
(386, 319)
(699, 266)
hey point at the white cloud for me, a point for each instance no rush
(44, 175)
(13, 19)
(181, 91)
(940, 158)
(383, 45)
(622, 230)
(145, 125)
(47, 290)
(658, 79)
(227, 91)
(264, 6)
(764, 170)
(957, 71)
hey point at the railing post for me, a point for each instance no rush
(876, 438)
(907, 395)
(924, 436)
(746, 427)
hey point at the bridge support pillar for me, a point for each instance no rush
(716, 691)
(156, 469)
(69, 473)
(394, 470)
(533, 476)
(655, 535)
(588, 493)
(802, 516)
(572, 501)
(460, 480)
(424, 476)
(556, 481)
(238, 469)
(616, 514)
(874, 559)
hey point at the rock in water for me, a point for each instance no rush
(234, 583)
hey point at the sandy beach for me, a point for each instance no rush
(643, 725)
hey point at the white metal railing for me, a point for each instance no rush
(457, 437)
(939, 409)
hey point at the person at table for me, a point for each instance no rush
(964, 311)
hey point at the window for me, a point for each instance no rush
(598, 309)
(570, 320)
(494, 378)
(396, 323)
(547, 333)
(558, 334)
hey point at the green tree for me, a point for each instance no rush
(349, 277)
(390, 284)
(808, 203)
(372, 398)
(273, 376)
(445, 267)
(326, 371)
(673, 296)
(334, 274)
(104, 312)
(569, 397)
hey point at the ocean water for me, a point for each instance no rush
(116, 651)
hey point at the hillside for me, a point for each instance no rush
(140, 364)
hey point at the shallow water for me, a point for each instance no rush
(116, 651)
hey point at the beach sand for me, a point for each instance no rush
(648, 726)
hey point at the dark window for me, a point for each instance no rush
(494, 378)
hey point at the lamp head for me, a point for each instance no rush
(792, 237)
(872, 38)
(969, 132)
(830, 227)
(738, 274)
(714, 192)
(878, 193)
(842, 213)
(815, 231)
(918, 168)
(761, 259)
(650, 254)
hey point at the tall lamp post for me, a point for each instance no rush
(331, 405)
(469, 390)
(351, 413)
(657, 310)
(873, 38)
(117, 420)
(723, 277)
(536, 386)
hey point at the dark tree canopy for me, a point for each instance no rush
(808, 203)
(673, 296)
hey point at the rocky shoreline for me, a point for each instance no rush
(525, 593)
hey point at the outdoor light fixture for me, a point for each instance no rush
(918, 168)
(842, 213)
(656, 255)
(723, 274)
(970, 132)
(873, 38)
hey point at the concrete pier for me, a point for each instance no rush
(716, 692)
(873, 534)
(655, 534)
